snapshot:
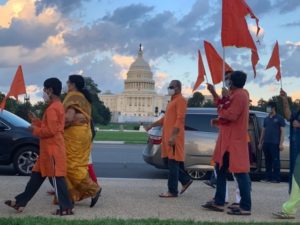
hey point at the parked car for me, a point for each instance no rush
(18, 145)
(200, 140)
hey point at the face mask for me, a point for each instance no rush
(269, 109)
(46, 97)
(171, 92)
(228, 83)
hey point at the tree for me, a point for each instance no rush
(100, 113)
(209, 104)
(196, 101)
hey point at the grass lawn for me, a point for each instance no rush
(117, 126)
(50, 221)
(127, 137)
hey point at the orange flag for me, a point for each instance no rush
(201, 72)
(17, 87)
(275, 61)
(235, 30)
(215, 63)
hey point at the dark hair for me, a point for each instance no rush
(272, 105)
(238, 79)
(178, 84)
(79, 83)
(54, 84)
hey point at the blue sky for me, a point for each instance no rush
(100, 38)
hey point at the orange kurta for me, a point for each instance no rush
(233, 136)
(52, 159)
(174, 118)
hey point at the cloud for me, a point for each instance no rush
(124, 62)
(287, 6)
(292, 24)
(110, 33)
(64, 6)
(161, 80)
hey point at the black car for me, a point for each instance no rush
(17, 144)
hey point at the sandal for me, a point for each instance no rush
(95, 198)
(234, 205)
(186, 186)
(167, 195)
(239, 212)
(14, 205)
(63, 212)
(213, 207)
(283, 215)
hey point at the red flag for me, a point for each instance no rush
(275, 61)
(215, 63)
(17, 87)
(201, 72)
(235, 29)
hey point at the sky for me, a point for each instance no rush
(100, 39)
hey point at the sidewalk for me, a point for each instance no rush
(138, 198)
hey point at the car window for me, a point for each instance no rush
(200, 122)
(13, 119)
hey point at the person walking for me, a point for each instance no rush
(52, 160)
(271, 142)
(289, 208)
(173, 152)
(78, 140)
(231, 152)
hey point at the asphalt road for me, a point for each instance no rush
(116, 161)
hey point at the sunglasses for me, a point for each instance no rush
(171, 87)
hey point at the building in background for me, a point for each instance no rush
(139, 101)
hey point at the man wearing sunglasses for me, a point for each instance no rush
(173, 152)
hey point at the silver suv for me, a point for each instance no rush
(200, 140)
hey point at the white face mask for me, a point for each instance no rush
(46, 97)
(269, 109)
(171, 92)
(228, 83)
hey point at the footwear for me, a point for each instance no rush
(234, 205)
(95, 198)
(64, 212)
(283, 215)
(51, 192)
(167, 195)
(213, 207)
(184, 187)
(14, 205)
(207, 182)
(239, 212)
(265, 181)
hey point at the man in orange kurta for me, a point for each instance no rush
(231, 152)
(52, 159)
(173, 140)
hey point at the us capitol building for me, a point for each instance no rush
(139, 102)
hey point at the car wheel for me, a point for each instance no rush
(198, 174)
(24, 159)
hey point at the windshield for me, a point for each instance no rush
(13, 119)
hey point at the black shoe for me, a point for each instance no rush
(95, 198)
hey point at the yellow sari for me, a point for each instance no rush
(78, 142)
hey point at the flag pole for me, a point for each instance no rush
(223, 68)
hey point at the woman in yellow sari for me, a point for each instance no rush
(78, 141)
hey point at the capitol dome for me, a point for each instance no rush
(139, 76)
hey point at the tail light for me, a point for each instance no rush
(156, 140)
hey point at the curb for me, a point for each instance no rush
(109, 142)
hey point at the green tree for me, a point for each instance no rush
(209, 104)
(100, 113)
(196, 101)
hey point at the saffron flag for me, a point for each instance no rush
(215, 63)
(275, 61)
(17, 87)
(235, 30)
(201, 72)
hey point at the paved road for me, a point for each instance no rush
(116, 161)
